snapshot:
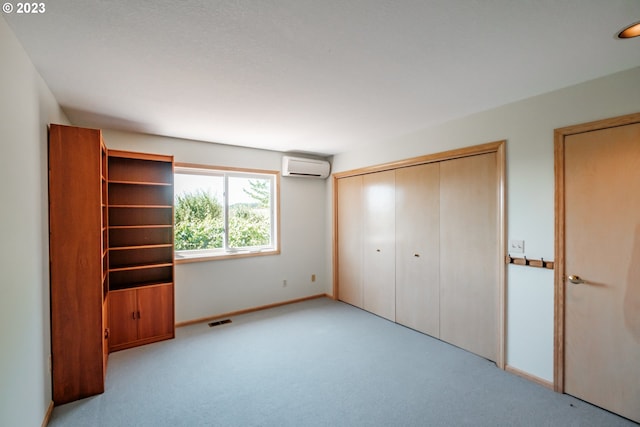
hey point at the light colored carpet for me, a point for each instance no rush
(317, 363)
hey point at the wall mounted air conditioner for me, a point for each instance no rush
(306, 168)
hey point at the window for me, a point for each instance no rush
(221, 212)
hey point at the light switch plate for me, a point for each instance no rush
(516, 246)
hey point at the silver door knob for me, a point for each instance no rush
(575, 280)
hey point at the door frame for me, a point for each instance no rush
(559, 272)
(497, 147)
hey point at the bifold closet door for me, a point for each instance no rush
(349, 238)
(469, 253)
(379, 244)
(418, 247)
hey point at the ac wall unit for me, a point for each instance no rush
(306, 168)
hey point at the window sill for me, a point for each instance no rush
(211, 256)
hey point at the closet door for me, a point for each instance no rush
(417, 248)
(349, 239)
(469, 262)
(379, 244)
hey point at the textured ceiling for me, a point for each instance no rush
(318, 76)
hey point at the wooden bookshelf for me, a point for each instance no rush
(141, 256)
(79, 258)
(111, 256)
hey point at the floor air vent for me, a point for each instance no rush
(219, 322)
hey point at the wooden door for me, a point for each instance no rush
(155, 305)
(417, 247)
(123, 319)
(379, 244)
(469, 254)
(602, 247)
(349, 239)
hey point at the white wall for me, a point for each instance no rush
(26, 107)
(528, 128)
(210, 288)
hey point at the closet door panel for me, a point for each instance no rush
(417, 247)
(379, 244)
(468, 256)
(350, 240)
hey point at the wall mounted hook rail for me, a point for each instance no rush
(540, 263)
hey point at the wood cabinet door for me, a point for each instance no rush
(418, 248)
(106, 333)
(379, 274)
(349, 240)
(123, 321)
(469, 254)
(155, 305)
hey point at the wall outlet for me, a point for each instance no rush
(516, 246)
(313, 277)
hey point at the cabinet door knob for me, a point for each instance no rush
(133, 315)
(377, 250)
(416, 255)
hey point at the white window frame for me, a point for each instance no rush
(226, 252)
